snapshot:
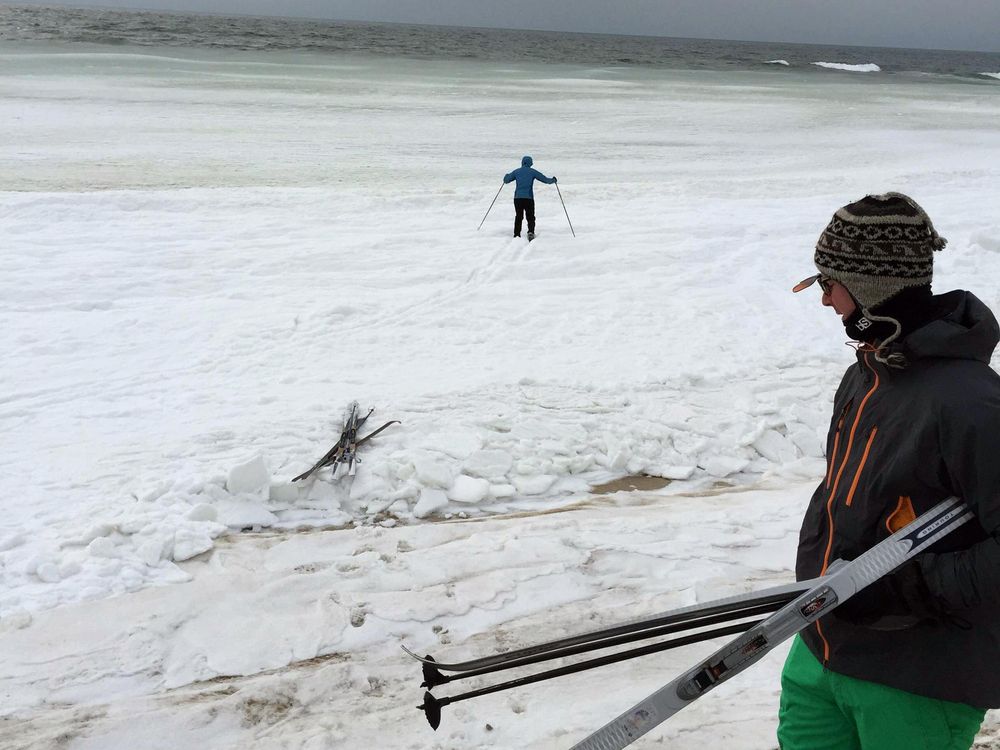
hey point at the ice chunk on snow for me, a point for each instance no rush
(674, 472)
(807, 467)
(324, 493)
(103, 547)
(488, 464)
(457, 443)
(773, 446)
(432, 473)
(400, 508)
(248, 477)
(94, 532)
(636, 465)
(619, 460)
(805, 439)
(203, 512)
(501, 491)
(190, 541)
(430, 502)
(150, 494)
(366, 483)
(283, 492)
(535, 485)
(723, 466)
(468, 489)
(244, 512)
(151, 552)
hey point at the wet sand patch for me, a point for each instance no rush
(633, 483)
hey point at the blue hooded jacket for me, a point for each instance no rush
(526, 177)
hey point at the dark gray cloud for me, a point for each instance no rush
(956, 24)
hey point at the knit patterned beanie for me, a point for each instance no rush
(878, 246)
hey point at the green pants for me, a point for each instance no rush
(823, 710)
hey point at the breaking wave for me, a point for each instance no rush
(865, 68)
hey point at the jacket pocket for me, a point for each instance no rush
(832, 458)
(902, 515)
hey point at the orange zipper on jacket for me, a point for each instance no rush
(861, 466)
(836, 483)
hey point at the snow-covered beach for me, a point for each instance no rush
(207, 255)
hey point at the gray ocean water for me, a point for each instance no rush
(152, 29)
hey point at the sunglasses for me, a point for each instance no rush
(825, 283)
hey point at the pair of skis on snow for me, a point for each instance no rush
(793, 607)
(345, 450)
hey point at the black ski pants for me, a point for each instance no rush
(524, 206)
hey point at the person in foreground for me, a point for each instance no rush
(524, 195)
(913, 661)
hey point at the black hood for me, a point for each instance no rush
(964, 329)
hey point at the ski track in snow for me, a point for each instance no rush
(153, 416)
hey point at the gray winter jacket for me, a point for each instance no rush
(900, 441)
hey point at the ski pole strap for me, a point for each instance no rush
(740, 653)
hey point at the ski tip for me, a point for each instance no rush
(432, 710)
(428, 659)
(414, 654)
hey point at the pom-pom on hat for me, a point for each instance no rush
(878, 246)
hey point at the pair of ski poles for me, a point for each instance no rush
(793, 607)
(693, 618)
(498, 195)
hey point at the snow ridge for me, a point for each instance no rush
(527, 447)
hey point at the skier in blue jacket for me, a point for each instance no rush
(524, 196)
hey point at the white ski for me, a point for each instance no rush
(844, 579)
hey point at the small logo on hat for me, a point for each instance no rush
(863, 323)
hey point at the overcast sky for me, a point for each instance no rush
(942, 24)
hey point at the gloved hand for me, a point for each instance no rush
(897, 601)
(554, 180)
